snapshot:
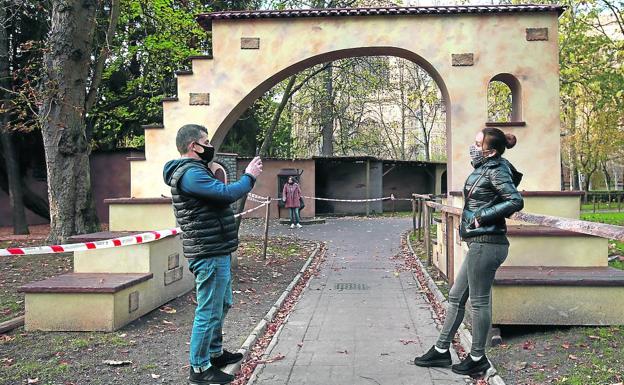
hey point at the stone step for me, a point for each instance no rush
(304, 221)
(137, 214)
(557, 203)
(547, 246)
(97, 281)
(546, 295)
(86, 301)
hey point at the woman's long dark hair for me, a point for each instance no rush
(495, 139)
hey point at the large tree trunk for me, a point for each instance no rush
(66, 63)
(327, 114)
(16, 201)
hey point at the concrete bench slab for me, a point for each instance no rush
(558, 296)
(86, 302)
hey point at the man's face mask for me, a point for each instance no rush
(208, 153)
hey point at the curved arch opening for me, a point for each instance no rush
(504, 99)
(285, 73)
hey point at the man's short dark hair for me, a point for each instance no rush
(187, 134)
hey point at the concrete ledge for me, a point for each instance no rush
(86, 311)
(536, 193)
(309, 221)
(109, 287)
(559, 276)
(541, 231)
(86, 283)
(558, 305)
(136, 214)
(529, 247)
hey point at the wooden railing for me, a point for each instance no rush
(424, 206)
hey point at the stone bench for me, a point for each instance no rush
(544, 295)
(546, 246)
(86, 301)
(96, 296)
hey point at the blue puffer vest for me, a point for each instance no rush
(209, 228)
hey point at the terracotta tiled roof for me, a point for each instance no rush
(206, 19)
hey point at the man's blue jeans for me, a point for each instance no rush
(213, 282)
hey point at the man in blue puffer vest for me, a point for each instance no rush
(201, 204)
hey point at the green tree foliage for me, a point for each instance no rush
(499, 102)
(153, 39)
(591, 42)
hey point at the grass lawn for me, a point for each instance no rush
(610, 218)
(615, 247)
(601, 206)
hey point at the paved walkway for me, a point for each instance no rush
(354, 335)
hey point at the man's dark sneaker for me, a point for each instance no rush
(209, 376)
(470, 367)
(434, 358)
(225, 359)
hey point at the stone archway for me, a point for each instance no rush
(462, 48)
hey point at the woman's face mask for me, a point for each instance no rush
(478, 155)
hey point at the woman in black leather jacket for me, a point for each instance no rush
(490, 195)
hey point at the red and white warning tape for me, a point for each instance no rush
(104, 244)
(350, 200)
(261, 199)
(147, 237)
(251, 209)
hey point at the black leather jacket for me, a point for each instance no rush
(490, 196)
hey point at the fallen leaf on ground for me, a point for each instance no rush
(597, 338)
(168, 310)
(168, 322)
(573, 357)
(6, 338)
(155, 376)
(33, 380)
(565, 345)
(278, 357)
(528, 345)
(117, 363)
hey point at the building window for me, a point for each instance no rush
(504, 100)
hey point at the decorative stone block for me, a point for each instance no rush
(250, 43)
(536, 34)
(133, 301)
(173, 275)
(199, 99)
(173, 261)
(462, 59)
